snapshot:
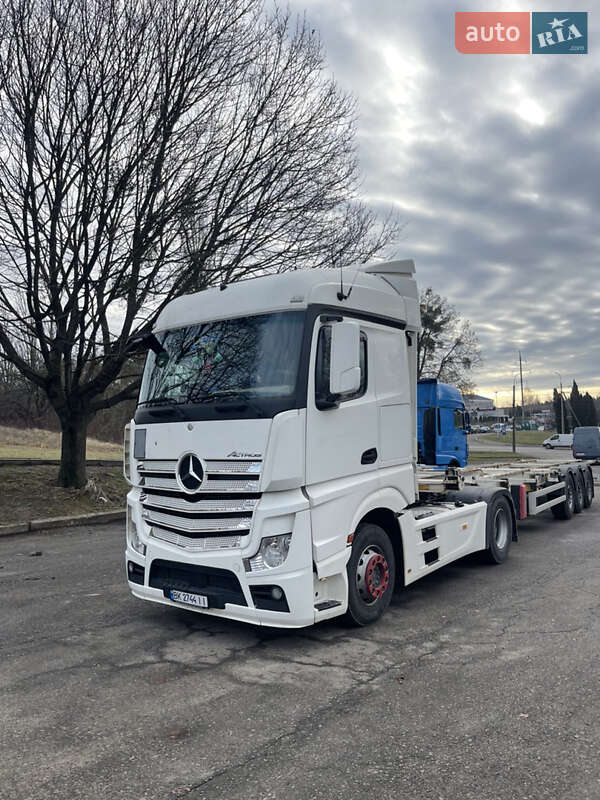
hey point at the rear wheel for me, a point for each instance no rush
(579, 491)
(499, 529)
(371, 575)
(566, 509)
(588, 483)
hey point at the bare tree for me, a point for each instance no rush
(149, 148)
(448, 347)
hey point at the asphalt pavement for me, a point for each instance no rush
(479, 682)
(482, 444)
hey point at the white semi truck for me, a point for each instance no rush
(273, 456)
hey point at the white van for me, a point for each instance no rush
(559, 440)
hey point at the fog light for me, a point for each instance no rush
(276, 593)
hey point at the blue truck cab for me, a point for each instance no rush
(442, 424)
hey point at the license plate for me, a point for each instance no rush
(199, 600)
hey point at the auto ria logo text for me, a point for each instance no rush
(520, 32)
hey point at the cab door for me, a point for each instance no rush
(341, 437)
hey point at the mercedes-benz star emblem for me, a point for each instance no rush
(190, 473)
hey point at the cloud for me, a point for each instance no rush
(493, 163)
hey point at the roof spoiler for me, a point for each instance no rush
(405, 266)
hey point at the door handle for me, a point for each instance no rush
(369, 456)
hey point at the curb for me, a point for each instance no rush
(40, 525)
(55, 462)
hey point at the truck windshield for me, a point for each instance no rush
(241, 364)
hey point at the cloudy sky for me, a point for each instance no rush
(493, 163)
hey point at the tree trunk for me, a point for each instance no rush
(72, 473)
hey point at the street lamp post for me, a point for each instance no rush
(562, 408)
(514, 436)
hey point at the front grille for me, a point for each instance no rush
(197, 544)
(216, 517)
(219, 585)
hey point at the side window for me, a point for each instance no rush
(458, 419)
(323, 398)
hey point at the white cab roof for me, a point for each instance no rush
(387, 289)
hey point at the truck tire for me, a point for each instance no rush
(566, 509)
(588, 482)
(498, 529)
(371, 575)
(579, 491)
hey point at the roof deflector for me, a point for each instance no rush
(404, 267)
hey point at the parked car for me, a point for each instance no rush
(558, 440)
(586, 442)
(484, 429)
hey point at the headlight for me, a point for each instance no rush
(272, 552)
(133, 537)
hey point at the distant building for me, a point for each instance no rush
(482, 409)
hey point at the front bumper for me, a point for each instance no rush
(278, 513)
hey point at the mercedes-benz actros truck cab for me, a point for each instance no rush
(272, 457)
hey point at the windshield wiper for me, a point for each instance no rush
(162, 400)
(236, 401)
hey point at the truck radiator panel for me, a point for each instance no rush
(218, 516)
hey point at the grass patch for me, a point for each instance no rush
(36, 443)
(491, 457)
(31, 493)
(521, 437)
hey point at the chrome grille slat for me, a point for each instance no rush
(208, 486)
(211, 543)
(198, 525)
(151, 465)
(213, 466)
(170, 503)
(233, 467)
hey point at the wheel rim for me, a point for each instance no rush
(570, 499)
(500, 528)
(588, 488)
(580, 496)
(372, 574)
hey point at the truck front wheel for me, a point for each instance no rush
(371, 575)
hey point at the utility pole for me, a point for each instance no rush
(514, 437)
(522, 403)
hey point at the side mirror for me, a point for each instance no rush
(146, 341)
(344, 369)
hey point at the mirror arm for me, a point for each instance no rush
(331, 401)
(147, 341)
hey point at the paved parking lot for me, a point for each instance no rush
(480, 682)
